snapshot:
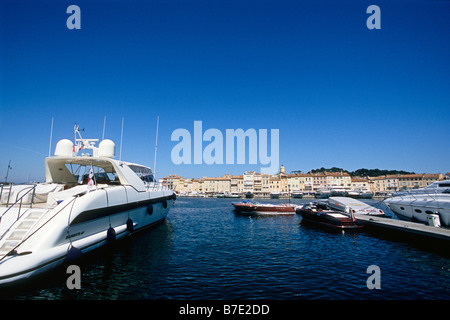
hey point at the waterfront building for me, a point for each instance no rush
(257, 185)
(216, 185)
(361, 183)
(392, 183)
(236, 184)
(173, 182)
(264, 184)
(248, 178)
(341, 179)
(319, 181)
(414, 181)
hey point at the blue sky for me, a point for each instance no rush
(340, 94)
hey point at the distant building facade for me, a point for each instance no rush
(264, 184)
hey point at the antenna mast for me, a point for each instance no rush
(104, 125)
(7, 171)
(156, 147)
(121, 137)
(50, 144)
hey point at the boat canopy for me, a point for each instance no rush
(72, 171)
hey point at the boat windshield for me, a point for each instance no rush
(444, 184)
(144, 173)
(101, 175)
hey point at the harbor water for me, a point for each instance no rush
(206, 251)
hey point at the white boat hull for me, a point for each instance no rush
(48, 242)
(419, 207)
(358, 207)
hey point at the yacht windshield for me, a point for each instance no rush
(144, 173)
(101, 175)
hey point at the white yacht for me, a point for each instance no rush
(322, 193)
(88, 200)
(435, 187)
(362, 193)
(422, 207)
(338, 191)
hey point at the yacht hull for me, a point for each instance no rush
(419, 207)
(90, 228)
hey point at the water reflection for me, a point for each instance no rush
(206, 251)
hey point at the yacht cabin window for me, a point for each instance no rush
(144, 173)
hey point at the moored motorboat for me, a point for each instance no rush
(320, 214)
(356, 206)
(275, 195)
(255, 208)
(442, 186)
(97, 200)
(422, 207)
(297, 194)
(338, 191)
(322, 193)
(362, 193)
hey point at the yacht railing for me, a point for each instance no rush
(2, 186)
(14, 251)
(18, 201)
(156, 186)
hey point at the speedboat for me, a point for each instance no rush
(275, 195)
(423, 208)
(250, 207)
(338, 191)
(92, 200)
(322, 193)
(357, 207)
(297, 194)
(320, 214)
(360, 193)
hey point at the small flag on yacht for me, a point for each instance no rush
(90, 183)
(75, 149)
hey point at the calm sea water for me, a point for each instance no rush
(204, 250)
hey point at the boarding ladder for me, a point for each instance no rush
(17, 221)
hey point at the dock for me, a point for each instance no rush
(408, 227)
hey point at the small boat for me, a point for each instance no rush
(339, 191)
(234, 195)
(358, 207)
(227, 195)
(362, 193)
(297, 194)
(320, 214)
(249, 195)
(322, 193)
(274, 195)
(255, 208)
